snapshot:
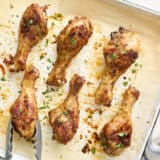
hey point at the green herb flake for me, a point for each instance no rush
(93, 150)
(125, 83)
(45, 106)
(45, 117)
(119, 145)
(57, 16)
(122, 134)
(48, 90)
(3, 78)
(49, 97)
(52, 24)
(136, 64)
(30, 22)
(49, 60)
(54, 36)
(41, 57)
(60, 94)
(66, 113)
(11, 5)
(72, 41)
(134, 71)
(46, 43)
(113, 56)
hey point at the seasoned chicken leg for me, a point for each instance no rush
(24, 109)
(32, 29)
(116, 135)
(119, 53)
(69, 43)
(65, 118)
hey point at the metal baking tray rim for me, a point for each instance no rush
(139, 7)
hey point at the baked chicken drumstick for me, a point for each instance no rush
(116, 135)
(32, 29)
(119, 53)
(69, 43)
(24, 109)
(65, 118)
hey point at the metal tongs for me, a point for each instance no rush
(9, 147)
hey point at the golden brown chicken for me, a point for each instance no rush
(65, 118)
(69, 43)
(32, 29)
(116, 135)
(119, 53)
(24, 109)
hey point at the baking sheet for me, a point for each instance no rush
(152, 7)
(106, 17)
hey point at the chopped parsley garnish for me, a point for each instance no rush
(45, 117)
(41, 56)
(49, 97)
(49, 60)
(3, 78)
(30, 22)
(136, 64)
(11, 5)
(93, 150)
(66, 113)
(72, 41)
(134, 71)
(119, 145)
(48, 67)
(45, 105)
(122, 134)
(125, 83)
(48, 90)
(52, 24)
(54, 36)
(58, 16)
(46, 43)
(113, 56)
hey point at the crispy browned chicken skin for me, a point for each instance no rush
(69, 43)
(116, 134)
(24, 109)
(32, 29)
(65, 118)
(119, 53)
